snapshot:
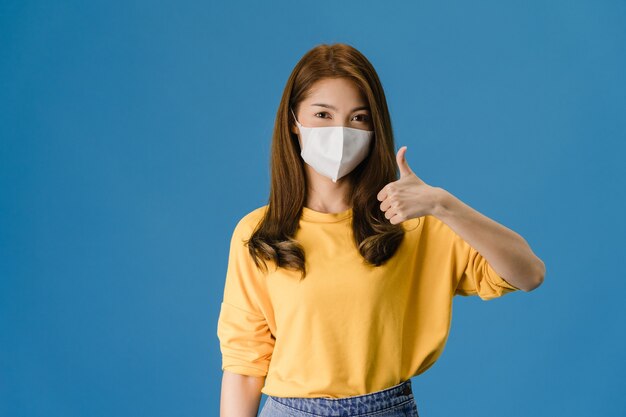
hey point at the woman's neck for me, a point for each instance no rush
(326, 196)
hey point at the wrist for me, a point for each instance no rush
(443, 203)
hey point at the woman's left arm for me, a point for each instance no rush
(506, 251)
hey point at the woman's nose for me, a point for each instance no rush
(342, 121)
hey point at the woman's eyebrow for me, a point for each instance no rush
(335, 108)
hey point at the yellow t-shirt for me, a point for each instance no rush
(347, 328)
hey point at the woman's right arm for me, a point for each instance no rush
(241, 395)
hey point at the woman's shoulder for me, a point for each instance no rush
(427, 226)
(248, 222)
(436, 229)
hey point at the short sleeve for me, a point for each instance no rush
(472, 273)
(246, 342)
(479, 278)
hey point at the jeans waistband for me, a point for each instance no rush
(372, 402)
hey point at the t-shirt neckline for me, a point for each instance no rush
(321, 217)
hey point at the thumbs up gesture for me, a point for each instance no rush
(408, 197)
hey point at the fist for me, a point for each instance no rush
(409, 196)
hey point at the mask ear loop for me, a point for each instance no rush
(294, 116)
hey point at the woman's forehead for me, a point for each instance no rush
(335, 92)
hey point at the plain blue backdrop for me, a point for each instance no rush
(134, 135)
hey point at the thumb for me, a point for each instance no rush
(402, 163)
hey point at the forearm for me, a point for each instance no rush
(507, 252)
(241, 395)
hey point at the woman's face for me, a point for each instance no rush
(334, 102)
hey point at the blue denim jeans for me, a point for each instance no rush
(396, 401)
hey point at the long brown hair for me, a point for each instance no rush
(375, 237)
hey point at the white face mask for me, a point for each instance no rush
(334, 151)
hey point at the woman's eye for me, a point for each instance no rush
(364, 117)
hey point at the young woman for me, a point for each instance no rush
(339, 290)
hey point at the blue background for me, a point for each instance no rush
(135, 135)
